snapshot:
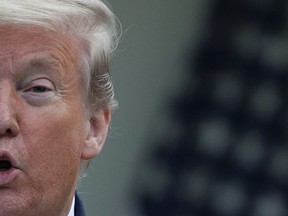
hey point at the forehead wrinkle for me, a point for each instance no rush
(55, 50)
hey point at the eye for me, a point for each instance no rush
(38, 92)
(38, 86)
(38, 89)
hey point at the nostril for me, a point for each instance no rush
(9, 131)
(8, 126)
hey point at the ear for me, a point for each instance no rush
(98, 127)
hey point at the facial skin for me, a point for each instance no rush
(43, 126)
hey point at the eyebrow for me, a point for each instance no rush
(41, 62)
(34, 61)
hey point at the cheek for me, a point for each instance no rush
(54, 143)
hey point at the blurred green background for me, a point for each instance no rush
(147, 70)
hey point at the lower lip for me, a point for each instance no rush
(8, 176)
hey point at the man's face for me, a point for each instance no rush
(43, 127)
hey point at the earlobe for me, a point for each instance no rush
(96, 134)
(91, 148)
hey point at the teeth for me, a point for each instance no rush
(5, 165)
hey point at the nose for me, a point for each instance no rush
(8, 121)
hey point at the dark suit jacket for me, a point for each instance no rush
(79, 208)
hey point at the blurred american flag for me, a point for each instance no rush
(229, 156)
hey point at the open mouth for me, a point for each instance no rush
(8, 168)
(5, 165)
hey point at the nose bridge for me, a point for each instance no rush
(5, 108)
(8, 122)
(5, 97)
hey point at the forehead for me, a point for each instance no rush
(21, 45)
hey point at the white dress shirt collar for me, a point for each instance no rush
(71, 212)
